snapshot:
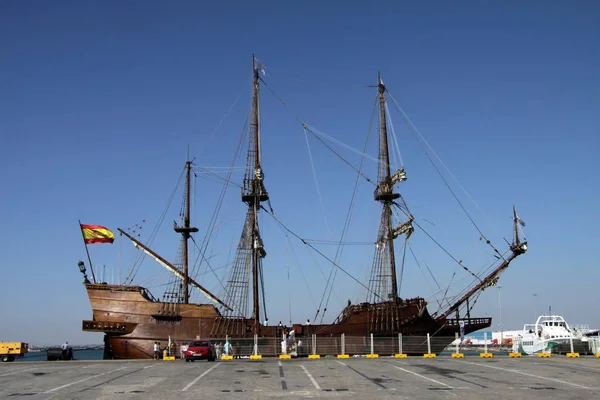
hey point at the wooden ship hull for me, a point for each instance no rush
(132, 321)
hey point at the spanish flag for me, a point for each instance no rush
(93, 234)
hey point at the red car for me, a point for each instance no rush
(200, 350)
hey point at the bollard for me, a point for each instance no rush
(314, 354)
(456, 340)
(456, 353)
(428, 344)
(486, 354)
(572, 354)
(571, 342)
(485, 341)
(255, 355)
(400, 343)
(429, 354)
(400, 354)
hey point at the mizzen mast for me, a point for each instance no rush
(186, 230)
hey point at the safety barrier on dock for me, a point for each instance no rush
(169, 358)
(572, 355)
(597, 355)
(311, 346)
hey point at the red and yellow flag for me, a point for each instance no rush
(93, 234)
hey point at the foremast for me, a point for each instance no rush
(383, 283)
(186, 230)
(250, 251)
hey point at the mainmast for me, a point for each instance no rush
(186, 231)
(247, 265)
(383, 273)
(254, 193)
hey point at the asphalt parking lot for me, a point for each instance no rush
(384, 378)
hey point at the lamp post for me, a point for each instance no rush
(500, 303)
(533, 302)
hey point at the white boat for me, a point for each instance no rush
(548, 332)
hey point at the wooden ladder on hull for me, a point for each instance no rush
(230, 326)
(386, 319)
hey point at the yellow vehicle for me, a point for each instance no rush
(11, 350)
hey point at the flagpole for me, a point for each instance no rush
(87, 251)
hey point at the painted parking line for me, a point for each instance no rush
(314, 382)
(83, 380)
(90, 366)
(424, 377)
(514, 371)
(281, 376)
(189, 385)
(363, 375)
(21, 370)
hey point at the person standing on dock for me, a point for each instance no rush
(156, 351)
(64, 348)
(183, 348)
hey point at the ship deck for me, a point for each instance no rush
(384, 378)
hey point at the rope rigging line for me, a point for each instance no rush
(291, 248)
(340, 156)
(310, 81)
(394, 138)
(423, 272)
(140, 256)
(220, 201)
(342, 144)
(220, 178)
(418, 135)
(206, 259)
(262, 286)
(317, 251)
(312, 165)
(337, 243)
(402, 265)
(438, 243)
(316, 133)
(348, 215)
(214, 132)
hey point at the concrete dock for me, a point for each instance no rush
(384, 378)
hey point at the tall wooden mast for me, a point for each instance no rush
(186, 231)
(247, 265)
(383, 283)
(254, 193)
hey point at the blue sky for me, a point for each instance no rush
(100, 100)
